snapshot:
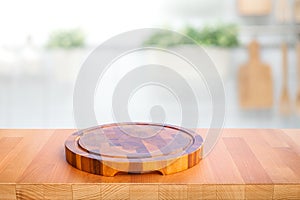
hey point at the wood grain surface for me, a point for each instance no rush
(245, 164)
(134, 148)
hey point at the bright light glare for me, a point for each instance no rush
(100, 19)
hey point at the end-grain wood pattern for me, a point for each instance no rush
(133, 148)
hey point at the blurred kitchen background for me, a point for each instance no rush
(44, 43)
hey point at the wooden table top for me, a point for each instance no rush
(241, 157)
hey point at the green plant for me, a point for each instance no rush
(222, 35)
(66, 39)
(166, 39)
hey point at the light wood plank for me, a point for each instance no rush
(115, 191)
(282, 192)
(208, 192)
(7, 144)
(86, 191)
(144, 192)
(232, 192)
(8, 191)
(30, 191)
(248, 165)
(168, 192)
(274, 165)
(259, 192)
(219, 155)
(58, 191)
(294, 135)
(20, 157)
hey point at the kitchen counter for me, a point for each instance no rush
(245, 164)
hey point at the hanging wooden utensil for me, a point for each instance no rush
(285, 105)
(254, 7)
(255, 81)
(297, 11)
(298, 91)
(283, 12)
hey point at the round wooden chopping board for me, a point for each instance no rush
(133, 148)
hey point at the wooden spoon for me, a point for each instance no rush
(298, 91)
(285, 107)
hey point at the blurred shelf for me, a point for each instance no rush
(265, 45)
(290, 29)
(270, 36)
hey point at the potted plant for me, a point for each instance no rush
(217, 40)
